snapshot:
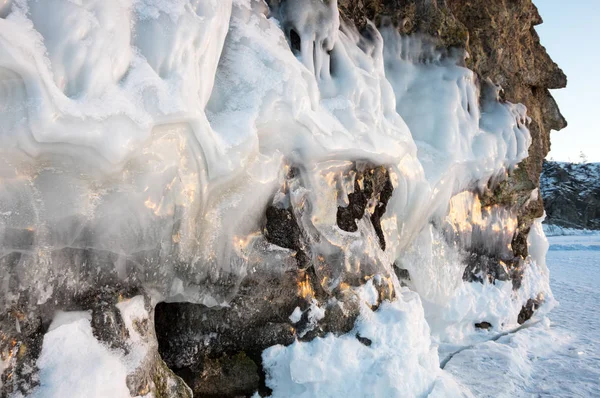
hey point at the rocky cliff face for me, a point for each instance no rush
(503, 48)
(571, 194)
(297, 241)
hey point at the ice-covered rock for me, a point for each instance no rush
(238, 161)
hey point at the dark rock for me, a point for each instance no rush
(528, 309)
(483, 325)
(571, 194)
(209, 347)
(372, 187)
(225, 376)
(402, 273)
(282, 230)
(203, 345)
(364, 340)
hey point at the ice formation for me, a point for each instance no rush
(141, 141)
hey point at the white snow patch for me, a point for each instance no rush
(133, 310)
(401, 360)
(296, 315)
(315, 314)
(74, 364)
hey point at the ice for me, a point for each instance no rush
(135, 133)
(141, 142)
(296, 315)
(458, 138)
(315, 24)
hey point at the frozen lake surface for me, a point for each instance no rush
(558, 356)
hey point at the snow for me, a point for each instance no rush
(556, 356)
(74, 364)
(400, 360)
(553, 355)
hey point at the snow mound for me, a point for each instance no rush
(388, 353)
(74, 364)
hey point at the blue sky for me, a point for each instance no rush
(571, 34)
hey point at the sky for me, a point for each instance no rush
(571, 34)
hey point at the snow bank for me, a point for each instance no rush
(398, 360)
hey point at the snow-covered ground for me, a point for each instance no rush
(555, 357)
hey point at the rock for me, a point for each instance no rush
(571, 194)
(483, 325)
(490, 267)
(113, 325)
(217, 349)
(226, 376)
(528, 309)
(372, 188)
(282, 230)
(21, 337)
(504, 47)
(364, 340)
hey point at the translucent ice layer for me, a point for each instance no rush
(142, 141)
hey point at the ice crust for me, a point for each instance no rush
(155, 135)
(142, 141)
